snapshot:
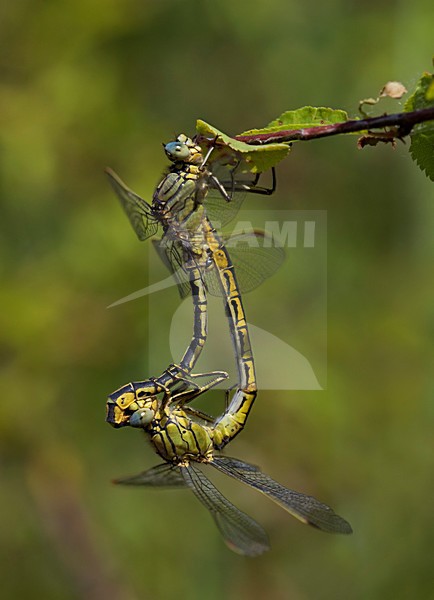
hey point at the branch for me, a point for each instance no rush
(404, 123)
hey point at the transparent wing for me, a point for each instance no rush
(305, 508)
(254, 264)
(254, 257)
(164, 475)
(138, 211)
(241, 533)
(170, 253)
(218, 210)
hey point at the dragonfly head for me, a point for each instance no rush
(184, 150)
(131, 407)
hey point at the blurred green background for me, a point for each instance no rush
(90, 83)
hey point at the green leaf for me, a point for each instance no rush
(422, 138)
(255, 158)
(302, 118)
(422, 151)
(260, 157)
(430, 93)
(423, 96)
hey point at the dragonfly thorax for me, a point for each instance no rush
(178, 438)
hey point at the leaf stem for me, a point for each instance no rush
(404, 122)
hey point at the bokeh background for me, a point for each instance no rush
(85, 84)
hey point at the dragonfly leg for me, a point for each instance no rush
(252, 187)
(179, 373)
(176, 371)
(220, 374)
(194, 412)
(232, 181)
(228, 394)
(208, 154)
(221, 188)
(196, 390)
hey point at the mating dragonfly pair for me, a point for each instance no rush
(183, 205)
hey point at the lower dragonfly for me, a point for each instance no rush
(185, 439)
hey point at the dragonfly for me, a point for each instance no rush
(186, 441)
(185, 437)
(199, 261)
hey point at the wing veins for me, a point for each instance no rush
(306, 508)
(163, 475)
(241, 533)
(138, 211)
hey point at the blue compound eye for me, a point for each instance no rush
(142, 417)
(177, 150)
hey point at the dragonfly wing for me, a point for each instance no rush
(305, 508)
(171, 254)
(164, 475)
(254, 257)
(138, 211)
(219, 211)
(241, 533)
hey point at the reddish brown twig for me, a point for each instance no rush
(404, 123)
